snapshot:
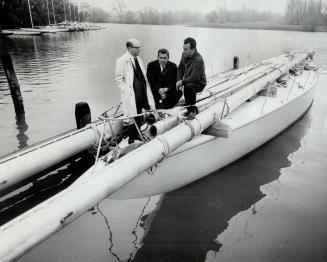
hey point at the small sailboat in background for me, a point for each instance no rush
(51, 28)
(25, 31)
(22, 32)
(3, 34)
(65, 26)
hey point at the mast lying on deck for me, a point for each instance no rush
(21, 165)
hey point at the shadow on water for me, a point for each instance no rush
(190, 218)
(49, 184)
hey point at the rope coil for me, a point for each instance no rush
(193, 131)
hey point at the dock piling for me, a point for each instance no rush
(236, 62)
(13, 83)
(82, 114)
(311, 55)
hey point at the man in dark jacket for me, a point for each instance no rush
(162, 75)
(191, 75)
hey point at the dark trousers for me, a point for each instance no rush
(190, 90)
(172, 98)
(132, 131)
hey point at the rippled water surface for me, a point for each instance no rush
(271, 205)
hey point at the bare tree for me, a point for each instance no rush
(130, 17)
(212, 17)
(119, 7)
(167, 18)
(308, 13)
(325, 12)
(313, 14)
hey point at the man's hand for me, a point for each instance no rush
(163, 90)
(179, 85)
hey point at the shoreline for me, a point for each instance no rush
(262, 26)
(246, 26)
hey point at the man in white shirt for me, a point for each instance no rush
(135, 90)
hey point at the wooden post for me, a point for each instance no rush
(82, 114)
(13, 83)
(236, 62)
(311, 55)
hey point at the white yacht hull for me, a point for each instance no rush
(206, 154)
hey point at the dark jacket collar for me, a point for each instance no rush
(188, 59)
(194, 54)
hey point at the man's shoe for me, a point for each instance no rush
(192, 112)
(191, 115)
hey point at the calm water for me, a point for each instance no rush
(269, 206)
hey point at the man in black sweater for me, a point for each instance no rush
(162, 75)
(191, 75)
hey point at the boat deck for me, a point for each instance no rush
(262, 105)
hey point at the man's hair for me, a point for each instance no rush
(132, 42)
(190, 41)
(163, 51)
(129, 44)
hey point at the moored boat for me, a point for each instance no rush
(18, 167)
(46, 29)
(55, 29)
(22, 32)
(234, 120)
(249, 126)
(2, 34)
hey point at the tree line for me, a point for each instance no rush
(14, 13)
(307, 13)
(120, 14)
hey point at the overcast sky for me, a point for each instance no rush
(197, 5)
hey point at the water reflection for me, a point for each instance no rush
(289, 222)
(22, 128)
(189, 220)
(126, 239)
(13, 85)
(50, 183)
(36, 58)
(126, 221)
(110, 237)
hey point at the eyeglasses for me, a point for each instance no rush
(136, 47)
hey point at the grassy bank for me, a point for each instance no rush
(263, 26)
